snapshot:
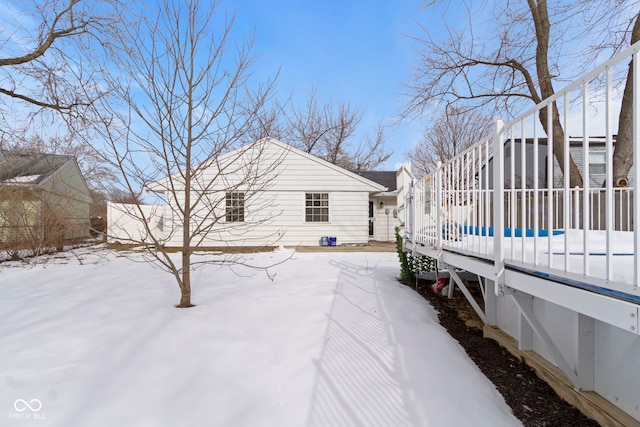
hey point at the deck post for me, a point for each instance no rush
(490, 302)
(585, 351)
(525, 331)
(410, 213)
(636, 170)
(437, 185)
(498, 206)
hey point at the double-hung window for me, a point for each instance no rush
(598, 163)
(317, 207)
(235, 207)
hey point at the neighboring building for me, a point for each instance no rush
(597, 163)
(297, 199)
(43, 199)
(383, 206)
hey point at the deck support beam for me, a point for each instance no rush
(454, 275)
(525, 305)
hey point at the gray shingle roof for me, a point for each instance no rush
(29, 168)
(386, 178)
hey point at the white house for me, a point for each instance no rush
(268, 193)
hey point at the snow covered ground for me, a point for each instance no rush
(93, 339)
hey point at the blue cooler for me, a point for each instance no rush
(332, 241)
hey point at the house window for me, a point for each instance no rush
(597, 163)
(317, 207)
(235, 207)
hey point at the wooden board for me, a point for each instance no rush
(589, 403)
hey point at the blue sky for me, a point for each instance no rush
(353, 51)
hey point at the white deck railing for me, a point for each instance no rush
(506, 200)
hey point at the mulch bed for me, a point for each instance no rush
(532, 400)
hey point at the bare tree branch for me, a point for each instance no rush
(327, 131)
(54, 69)
(452, 132)
(187, 113)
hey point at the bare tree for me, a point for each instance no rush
(520, 63)
(323, 131)
(52, 57)
(270, 123)
(51, 61)
(452, 132)
(190, 111)
(326, 131)
(369, 154)
(118, 195)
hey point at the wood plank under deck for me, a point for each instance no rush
(589, 403)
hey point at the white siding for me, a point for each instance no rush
(283, 222)
(275, 178)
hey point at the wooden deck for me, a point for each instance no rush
(559, 266)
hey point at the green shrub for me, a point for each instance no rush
(411, 265)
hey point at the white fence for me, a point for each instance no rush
(505, 199)
(125, 223)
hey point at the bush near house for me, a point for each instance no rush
(410, 265)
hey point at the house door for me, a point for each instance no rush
(370, 218)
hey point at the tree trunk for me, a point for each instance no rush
(575, 177)
(623, 153)
(185, 286)
(540, 15)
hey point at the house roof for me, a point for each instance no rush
(373, 186)
(384, 178)
(29, 168)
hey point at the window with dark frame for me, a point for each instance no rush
(317, 207)
(235, 207)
